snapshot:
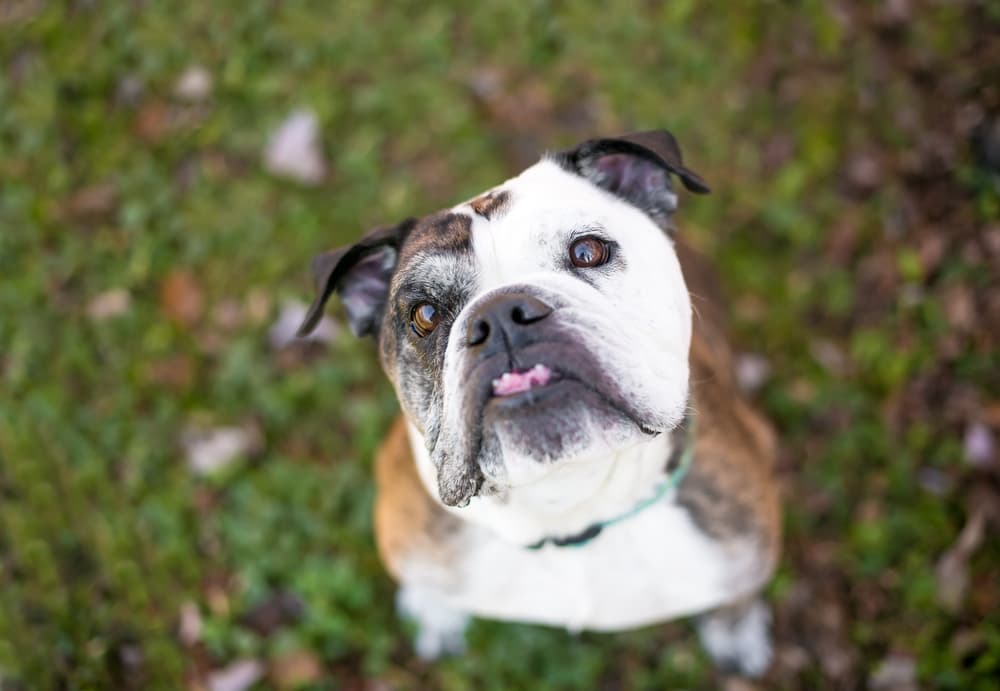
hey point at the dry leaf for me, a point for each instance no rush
(181, 297)
(111, 303)
(214, 450)
(175, 372)
(92, 203)
(189, 626)
(752, 371)
(293, 150)
(194, 84)
(897, 672)
(238, 676)
(979, 445)
(293, 312)
(952, 571)
(294, 669)
(152, 122)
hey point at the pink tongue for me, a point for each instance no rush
(511, 383)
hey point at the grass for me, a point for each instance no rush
(110, 182)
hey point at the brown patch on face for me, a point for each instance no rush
(494, 203)
(443, 232)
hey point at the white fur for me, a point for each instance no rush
(440, 627)
(742, 640)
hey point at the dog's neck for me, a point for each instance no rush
(570, 496)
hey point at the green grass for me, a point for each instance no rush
(104, 531)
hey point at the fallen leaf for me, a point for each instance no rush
(830, 355)
(111, 303)
(897, 672)
(864, 173)
(752, 371)
(194, 84)
(294, 669)
(189, 626)
(979, 445)
(257, 306)
(952, 571)
(181, 297)
(214, 450)
(894, 14)
(174, 371)
(293, 312)
(238, 676)
(92, 203)
(152, 122)
(960, 307)
(293, 150)
(967, 642)
(217, 598)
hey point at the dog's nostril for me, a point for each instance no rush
(479, 332)
(529, 311)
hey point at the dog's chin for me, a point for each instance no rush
(553, 422)
(574, 409)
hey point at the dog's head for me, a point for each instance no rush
(541, 322)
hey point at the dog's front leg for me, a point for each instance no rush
(738, 637)
(440, 626)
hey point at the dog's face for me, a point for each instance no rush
(543, 322)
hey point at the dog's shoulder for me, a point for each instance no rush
(407, 519)
(731, 491)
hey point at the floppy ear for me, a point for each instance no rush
(360, 273)
(636, 167)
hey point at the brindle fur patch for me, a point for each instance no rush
(438, 253)
(492, 204)
(730, 490)
(443, 232)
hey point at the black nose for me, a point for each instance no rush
(505, 322)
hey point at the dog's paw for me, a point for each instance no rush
(440, 627)
(738, 637)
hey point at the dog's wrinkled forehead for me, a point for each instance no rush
(434, 243)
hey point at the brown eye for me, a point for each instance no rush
(588, 252)
(424, 318)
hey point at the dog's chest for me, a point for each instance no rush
(653, 567)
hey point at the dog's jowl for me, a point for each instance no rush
(573, 449)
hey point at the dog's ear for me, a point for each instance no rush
(360, 274)
(635, 167)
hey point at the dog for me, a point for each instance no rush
(573, 448)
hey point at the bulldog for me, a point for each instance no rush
(573, 449)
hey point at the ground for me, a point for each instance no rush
(185, 502)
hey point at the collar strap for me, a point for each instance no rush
(677, 467)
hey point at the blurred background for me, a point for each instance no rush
(185, 493)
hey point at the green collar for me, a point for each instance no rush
(677, 468)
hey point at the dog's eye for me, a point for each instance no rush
(588, 252)
(424, 318)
